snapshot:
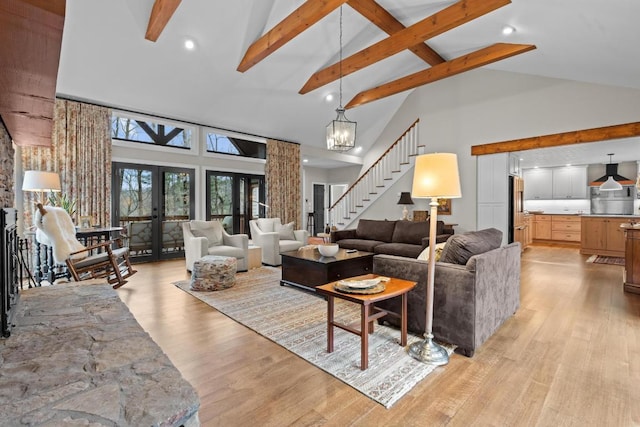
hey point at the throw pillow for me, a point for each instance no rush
(213, 233)
(285, 231)
(267, 225)
(424, 255)
(461, 247)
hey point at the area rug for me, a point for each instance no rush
(599, 259)
(296, 320)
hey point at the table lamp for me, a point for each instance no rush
(41, 181)
(435, 176)
(405, 199)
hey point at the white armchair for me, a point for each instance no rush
(274, 238)
(209, 238)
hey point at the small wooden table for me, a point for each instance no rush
(368, 312)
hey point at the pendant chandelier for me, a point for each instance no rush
(341, 132)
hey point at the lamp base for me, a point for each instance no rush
(428, 351)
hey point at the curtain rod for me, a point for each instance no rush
(126, 110)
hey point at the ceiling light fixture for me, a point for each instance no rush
(508, 30)
(189, 44)
(341, 132)
(329, 97)
(610, 184)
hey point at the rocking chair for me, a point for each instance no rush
(56, 229)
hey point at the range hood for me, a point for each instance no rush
(612, 170)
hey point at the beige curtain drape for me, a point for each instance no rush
(81, 153)
(282, 176)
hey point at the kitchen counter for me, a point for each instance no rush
(590, 215)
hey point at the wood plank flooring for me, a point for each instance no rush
(570, 356)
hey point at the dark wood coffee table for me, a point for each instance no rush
(307, 268)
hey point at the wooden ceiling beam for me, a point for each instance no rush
(444, 20)
(161, 13)
(299, 20)
(627, 130)
(57, 7)
(390, 25)
(493, 53)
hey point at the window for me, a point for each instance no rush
(218, 143)
(146, 131)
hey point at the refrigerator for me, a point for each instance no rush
(517, 224)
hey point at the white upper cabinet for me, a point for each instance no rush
(555, 183)
(538, 184)
(570, 182)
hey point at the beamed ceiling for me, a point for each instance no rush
(265, 67)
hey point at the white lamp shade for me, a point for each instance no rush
(436, 175)
(610, 185)
(41, 181)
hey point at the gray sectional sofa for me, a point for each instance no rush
(402, 238)
(477, 288)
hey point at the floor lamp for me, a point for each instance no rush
(435, 176)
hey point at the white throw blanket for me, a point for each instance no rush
(56, 229)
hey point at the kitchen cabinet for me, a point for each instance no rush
(565, 228)
(631, 276)
(569, 182)
(524, 232)
(538, 184)
(602, 236)
(542, 227)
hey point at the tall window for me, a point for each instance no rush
(148, 131)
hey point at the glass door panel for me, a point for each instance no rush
(233, 199)
(151, 203)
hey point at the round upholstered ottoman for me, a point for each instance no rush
(213, 273)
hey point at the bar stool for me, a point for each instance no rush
(310, 224)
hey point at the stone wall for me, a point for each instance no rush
(6, 169)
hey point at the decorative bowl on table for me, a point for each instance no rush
(328, 249)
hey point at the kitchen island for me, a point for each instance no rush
(602, 235)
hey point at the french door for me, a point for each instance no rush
(151, 203)
(234, 199)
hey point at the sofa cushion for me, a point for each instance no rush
(285, 231)
(372, 229)
(461, 247)
(424, 255)
(410, 232)
(212, 230)
(398, 249)
(359, 244)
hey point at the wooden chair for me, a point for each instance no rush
(56, 229)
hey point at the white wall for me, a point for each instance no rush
(486, 106)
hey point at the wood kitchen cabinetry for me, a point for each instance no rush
(557, 228)
(565, 228)
(602, 236)
(631, 276)
(542, 227)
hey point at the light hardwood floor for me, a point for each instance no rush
(570, 356)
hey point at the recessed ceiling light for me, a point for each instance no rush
(358, 149)
(189, 44)
(305, 160)
(508, 29)
(329, 97)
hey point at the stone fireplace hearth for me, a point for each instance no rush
(78, 356)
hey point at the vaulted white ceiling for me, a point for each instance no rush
(106, 59)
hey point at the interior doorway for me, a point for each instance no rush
(318, 208)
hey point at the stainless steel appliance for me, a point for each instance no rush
(618, 202)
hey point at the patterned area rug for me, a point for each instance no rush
(297, 320)
(599, 259)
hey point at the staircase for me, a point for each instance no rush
(396, 161)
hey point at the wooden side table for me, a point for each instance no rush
(368, 312)
(255, 257)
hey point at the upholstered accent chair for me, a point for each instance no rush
(209, 238)
(274, 238)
